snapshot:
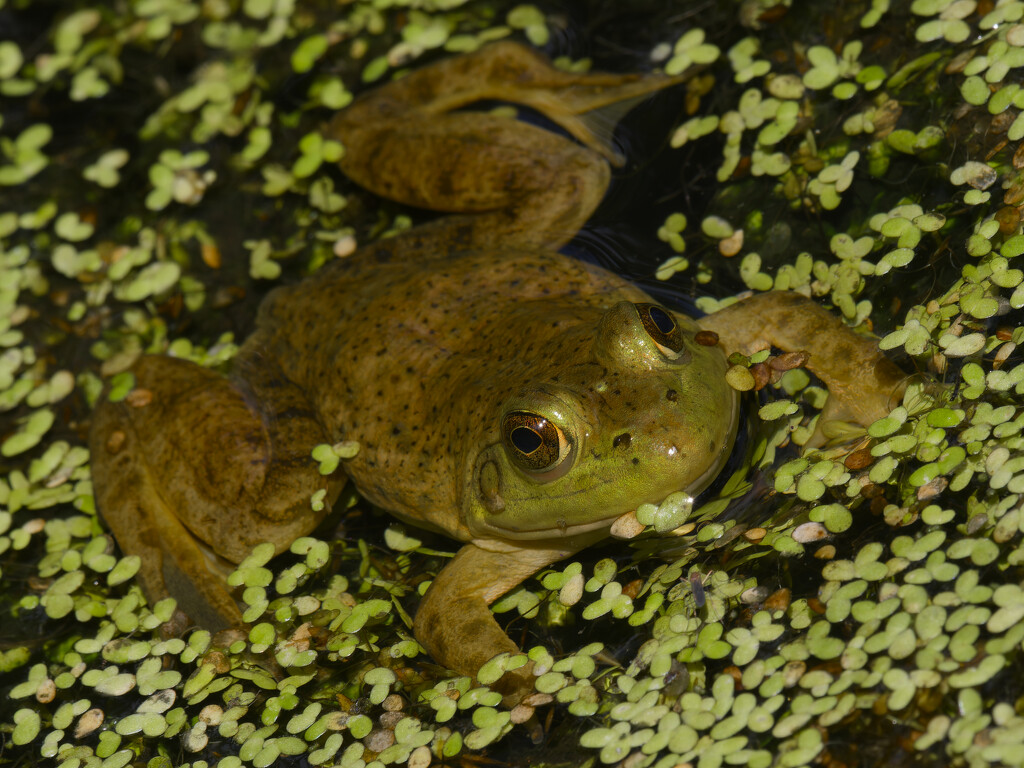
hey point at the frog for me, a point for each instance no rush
(507, 395)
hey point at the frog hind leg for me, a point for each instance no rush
(516, 184)
(455, 624)
(189, 475)
(863, 384)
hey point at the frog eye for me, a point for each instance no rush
(662, 328)
(536, 444)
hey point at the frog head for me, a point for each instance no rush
(632, 409)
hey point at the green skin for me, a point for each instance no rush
(502, 393)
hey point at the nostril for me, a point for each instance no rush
(671, 395)
(622, 441)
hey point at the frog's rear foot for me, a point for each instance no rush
(516, 185)
(189, 474)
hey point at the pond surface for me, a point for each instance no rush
(162, 168)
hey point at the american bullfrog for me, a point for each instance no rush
(512, 397)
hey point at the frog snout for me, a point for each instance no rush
(664, 445)
(672, 428)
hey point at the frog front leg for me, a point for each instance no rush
(454, 622)
(193, 469)
(863, 384)
(517, 185)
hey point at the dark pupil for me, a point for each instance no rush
(525, 440)
(661, 319)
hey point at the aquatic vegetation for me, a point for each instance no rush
(840, 606)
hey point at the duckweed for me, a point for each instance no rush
(913, 612)
(691, 49)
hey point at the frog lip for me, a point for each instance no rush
(567, 531)
(604, 524)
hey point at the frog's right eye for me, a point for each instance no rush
(662, 328)
(535, 443)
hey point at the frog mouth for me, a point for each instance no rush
(621, 526)
(669, 513)
(563, 530)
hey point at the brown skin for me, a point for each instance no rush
(863, 384)
(432, 349)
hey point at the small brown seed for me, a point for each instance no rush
(115, 441)
(858, 460)
(632, 589)
(139, 397)
(379, 740)
(762, 375)
(89, 722)
(521, 713)
(826, 552)
(787, 361)
(779, 600)
(393, 703)
(210, 254)
(706, 338)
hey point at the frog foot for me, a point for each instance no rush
(190, 476)
(863, 384)
(587, 105)
(455, 624)
(848, 412)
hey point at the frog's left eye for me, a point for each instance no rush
(662, 328)
(536, 444)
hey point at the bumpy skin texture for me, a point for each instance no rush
(431, 350)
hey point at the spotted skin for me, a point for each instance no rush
(419, 346)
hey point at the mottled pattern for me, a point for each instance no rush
(418, 361)
(417, 348)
